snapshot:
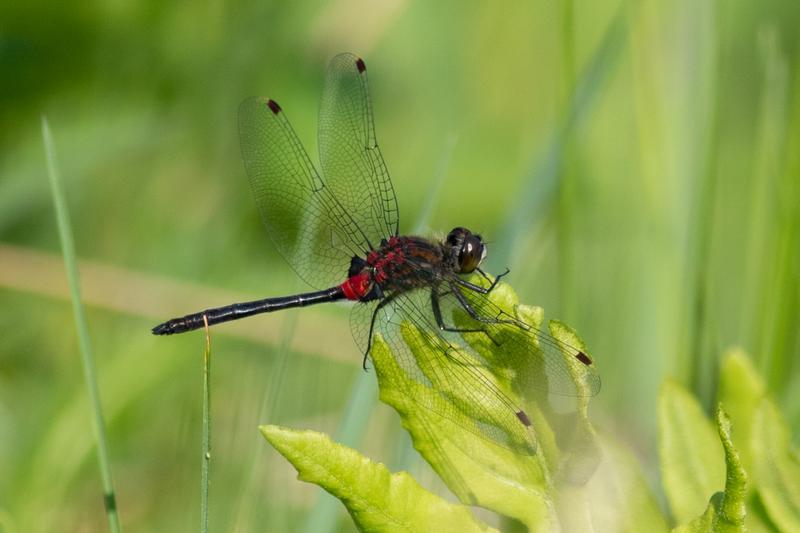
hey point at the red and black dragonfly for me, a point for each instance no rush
(339, 230)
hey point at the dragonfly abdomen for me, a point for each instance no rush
(241, 310)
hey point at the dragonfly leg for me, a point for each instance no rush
(471, 310)
(378, 307)
(478, 288)
(496, 279)
(437, 314)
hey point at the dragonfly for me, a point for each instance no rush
(339, 230)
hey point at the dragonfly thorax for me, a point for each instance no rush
(404, 263)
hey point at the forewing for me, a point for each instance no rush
(351, 159)
(308, 225)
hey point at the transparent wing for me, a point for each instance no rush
(517, 344)
(309, 226)
(351, 159)
(457, 384)
(459, 365)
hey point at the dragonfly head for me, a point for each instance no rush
(466, 250)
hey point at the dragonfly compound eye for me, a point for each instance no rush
(472, 253)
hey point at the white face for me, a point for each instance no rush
(483, 254)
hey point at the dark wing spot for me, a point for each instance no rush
(274, 107)
(523, 418)
(360, 65)
(583, 358)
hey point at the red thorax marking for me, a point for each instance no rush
(392, 254)
(356, 287)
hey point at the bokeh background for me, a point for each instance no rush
(635, 163)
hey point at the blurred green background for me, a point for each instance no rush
(636, 164)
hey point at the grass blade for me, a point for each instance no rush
(206, 438)
(87, 360)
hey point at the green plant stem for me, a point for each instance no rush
(206, 438)
(87, 360)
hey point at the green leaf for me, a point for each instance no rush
(776, 468)
(476, 470)
(505, 479)
(692, 465)
(726, 510)
(376, 499)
